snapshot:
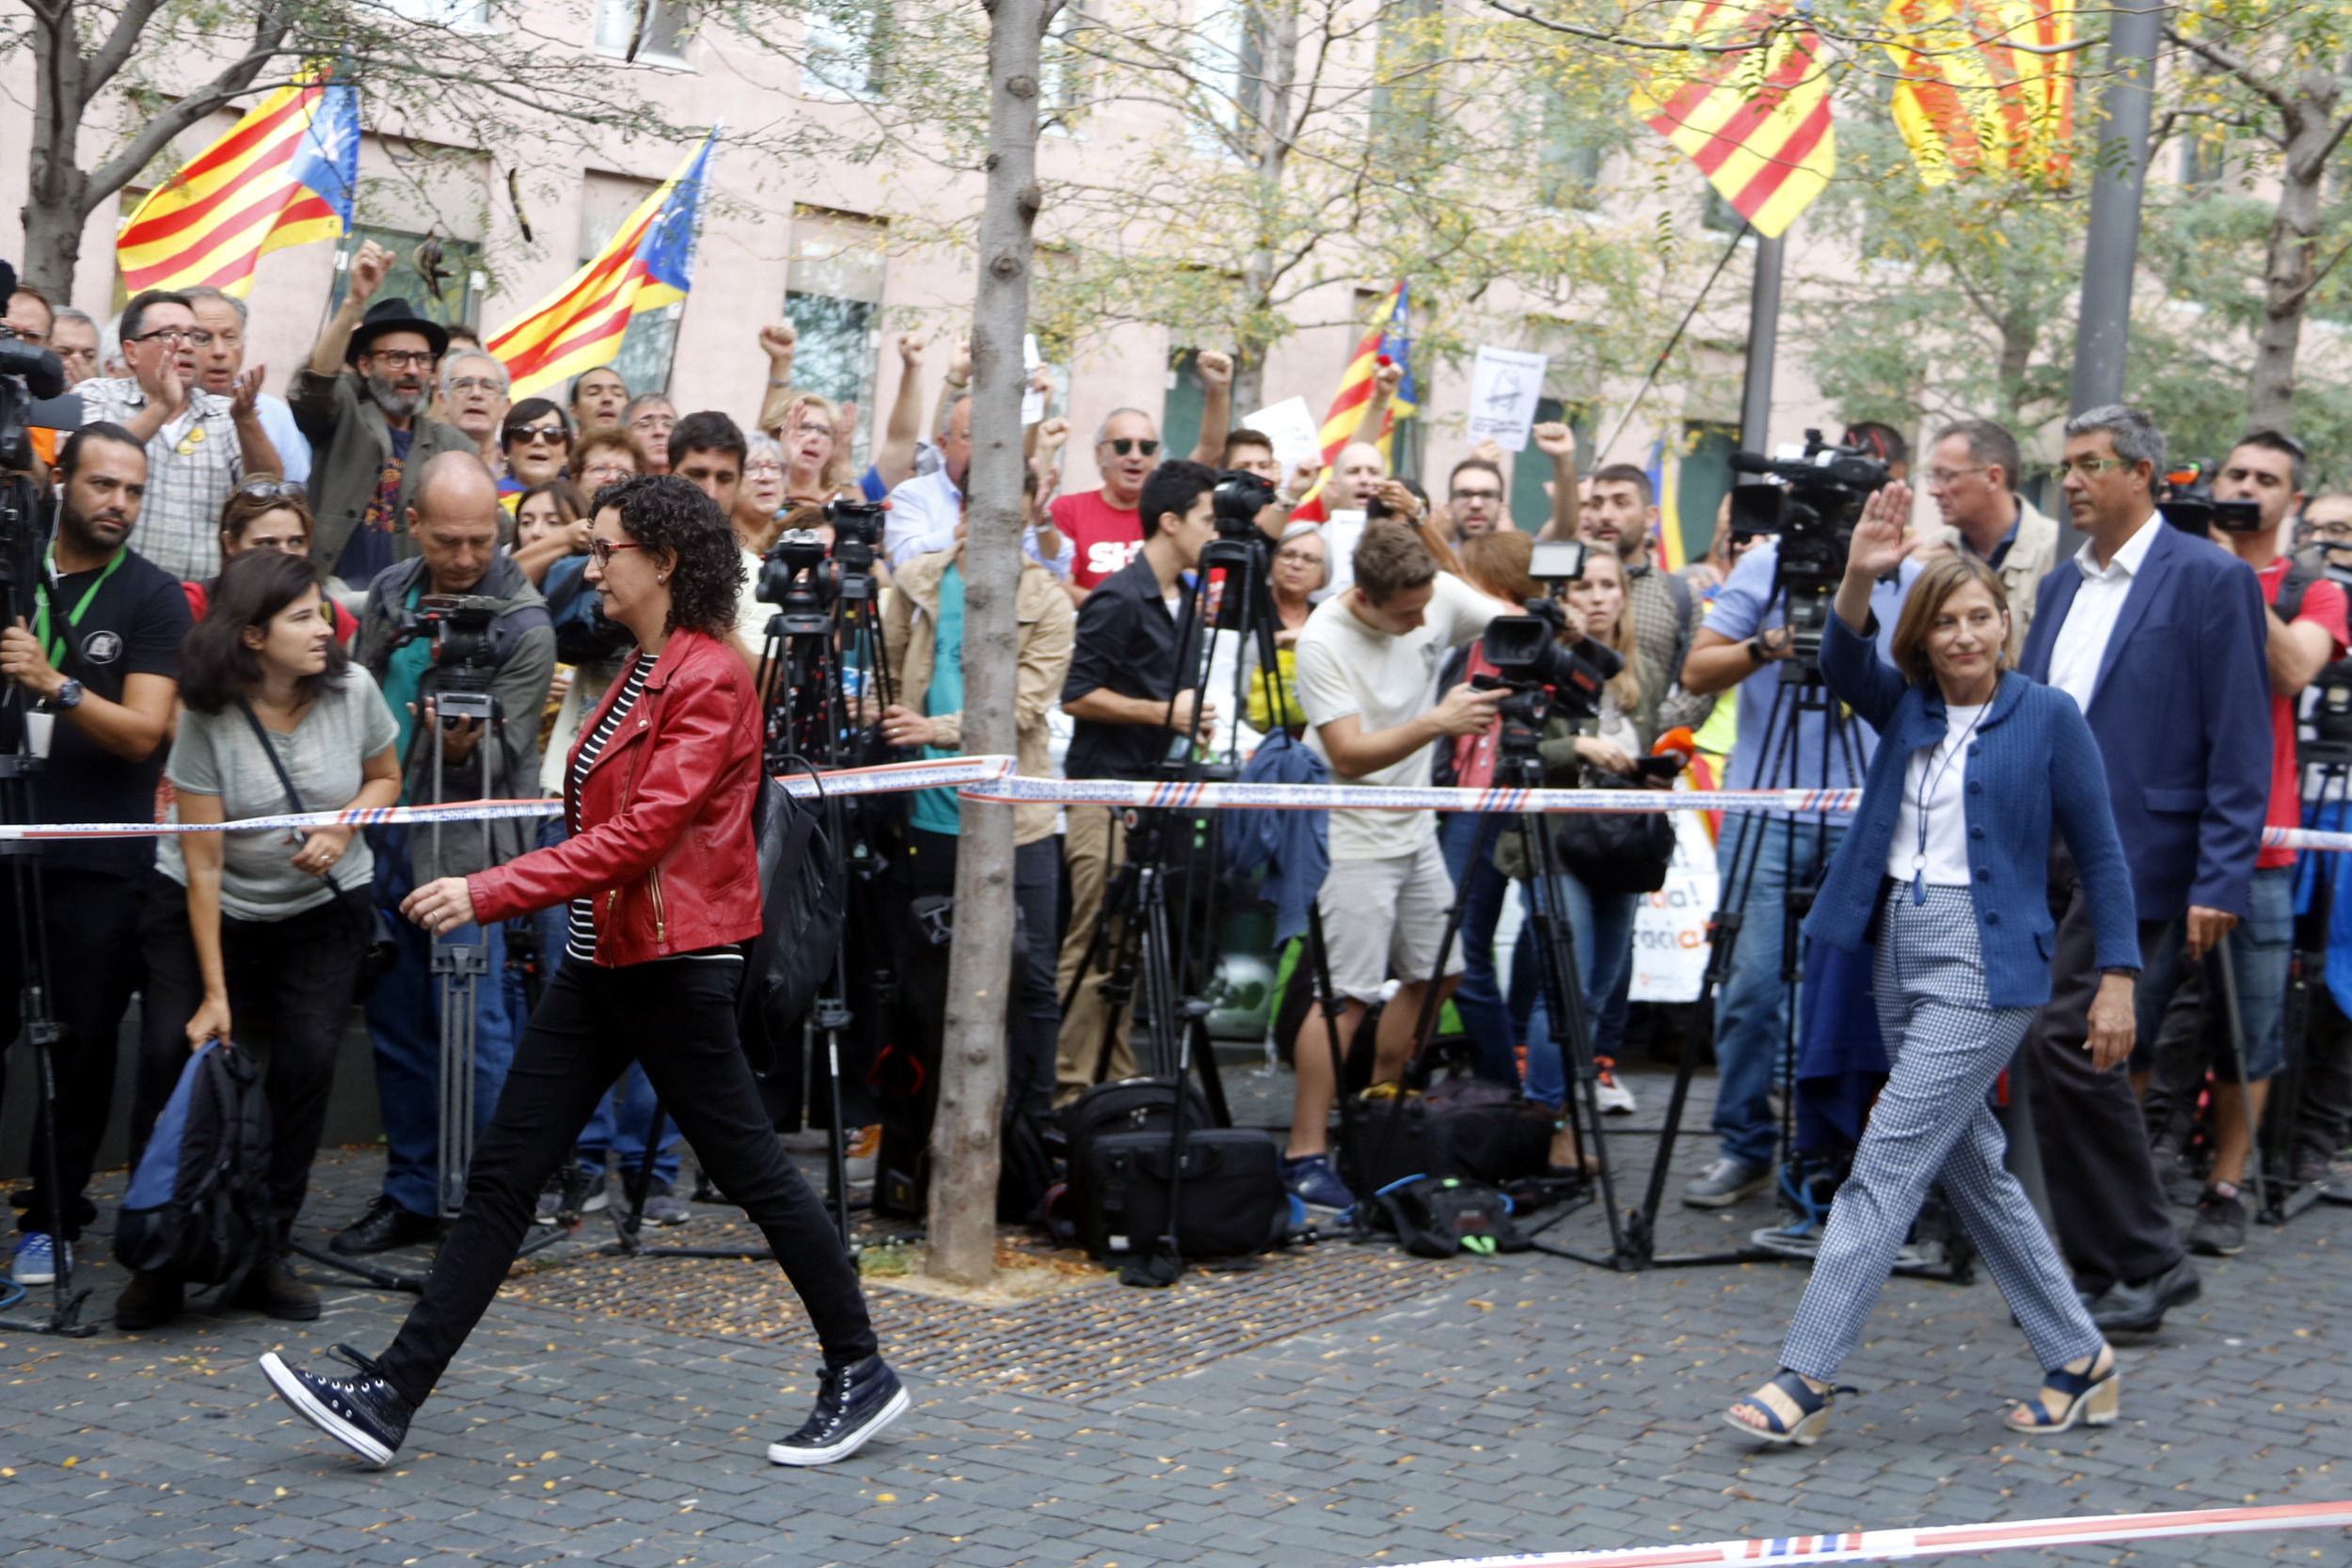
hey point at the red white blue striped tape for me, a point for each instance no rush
(1894, 1545)
(992, 778)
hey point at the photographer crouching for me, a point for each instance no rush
(459, 618)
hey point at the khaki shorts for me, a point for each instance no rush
(1384, 915)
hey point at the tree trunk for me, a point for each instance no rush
(965, 1151)
(56, 192)
(2288, 272)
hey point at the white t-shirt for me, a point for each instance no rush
(1936, 775)
(1346, 667)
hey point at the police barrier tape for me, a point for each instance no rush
(1892, 1546)
(992, 778)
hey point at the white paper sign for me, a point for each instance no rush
(1341, 530)
(1670, 926)
(1504, 385)
(1291, 426)
(1032, 401)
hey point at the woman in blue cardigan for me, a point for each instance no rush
(1944, 870)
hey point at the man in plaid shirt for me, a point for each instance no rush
(199, 443)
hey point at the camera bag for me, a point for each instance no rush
(1232, 1198)
(1437, 1217)
(195, 1208)
(1463, 1128)
(1127, 1106)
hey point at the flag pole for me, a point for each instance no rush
(1755, 396)
(1600, 454)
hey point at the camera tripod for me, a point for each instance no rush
(2328, 756)
(1634, 1237)
(27, 904)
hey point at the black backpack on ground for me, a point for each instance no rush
(195, 1209)
(1464, 1127)
(1437, 1217)
(1232, 1192)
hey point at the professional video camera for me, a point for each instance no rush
(26, 372)
(1812, 510)
(459, 625)
(802, 579)
(2188, 504)
(1239, 497)
(1542, 673)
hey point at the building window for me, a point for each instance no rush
(1062, 73)
(833, 298)
(1229, 68)
(666, 27)
(1412, 42)
(848, 42)
(441, 279)
(650, 345)
(443, 13)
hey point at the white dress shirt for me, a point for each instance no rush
(923, 515)
(2081, 647)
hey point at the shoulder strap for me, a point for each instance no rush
(293, 797)
(1678, 591)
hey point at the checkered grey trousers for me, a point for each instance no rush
(1947, 1044)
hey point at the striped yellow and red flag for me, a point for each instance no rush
(1752, 110)
(1970, 98)
(649, 263)
(281, 176)
(1388, 340)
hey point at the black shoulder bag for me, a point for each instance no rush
(379, 953)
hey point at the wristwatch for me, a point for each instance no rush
(69, 696)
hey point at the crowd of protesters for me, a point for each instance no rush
(238, 615)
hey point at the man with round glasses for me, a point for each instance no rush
(361, 400)
(199, 442)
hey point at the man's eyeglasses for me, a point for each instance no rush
(195, 336)
(1122, 444)
(1952, 476)
(1300, 558)
(534, 435)
(400, 358)
(2092, 468)
(603, 551)
(475, 383)
(21, 335)
(263, 488)
(764, 467)
(663, 422)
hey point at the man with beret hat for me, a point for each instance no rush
(361, 402)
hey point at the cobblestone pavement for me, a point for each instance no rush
(1525, 1403)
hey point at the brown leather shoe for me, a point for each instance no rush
(274, 1289)
(149, 1300)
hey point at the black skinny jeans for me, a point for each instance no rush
(676, 1017)
(92, 926)
(290, 984)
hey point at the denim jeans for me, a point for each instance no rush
(1602, 929)
(1466, 839)
(2261, 949)
(1752, 1010)
(624, 1133)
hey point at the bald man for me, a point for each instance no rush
(454, 522)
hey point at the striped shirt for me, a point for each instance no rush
(580, 942)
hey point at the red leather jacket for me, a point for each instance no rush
(661, 828)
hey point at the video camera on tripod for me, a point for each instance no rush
(2188, 504)
(1811, 510)
(1544, 674)
(803, 578)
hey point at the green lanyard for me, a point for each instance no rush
(54, 646)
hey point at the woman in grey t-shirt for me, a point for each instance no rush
(258, 936)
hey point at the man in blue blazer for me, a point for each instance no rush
(2160, 638)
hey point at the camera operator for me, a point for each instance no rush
(1742, 642)
(923, 629)
(2305, 622)
(1973, 470)
(2159, 638)
(1124, 662)
(455, 526)
(96, 663)
(1364, 663)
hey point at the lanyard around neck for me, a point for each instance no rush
(1928, 782)
(54, 645)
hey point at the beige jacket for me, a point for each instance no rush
(1048, 628)
(2030, 559)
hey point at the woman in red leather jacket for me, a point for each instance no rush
(661, 881)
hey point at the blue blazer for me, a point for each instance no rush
(2182, 710)
(2033, 761)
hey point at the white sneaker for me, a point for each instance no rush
(1615, 1099)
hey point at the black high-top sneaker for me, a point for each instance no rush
(361, 1413)
(854, 1402)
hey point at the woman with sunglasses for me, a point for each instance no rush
(536, 441)
(257, 936)
(264, 514)
(661, 878)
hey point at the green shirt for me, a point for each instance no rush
(935, 810)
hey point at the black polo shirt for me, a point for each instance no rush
(1126, 645)
(133, 625)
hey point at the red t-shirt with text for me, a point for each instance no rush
(2322, 605)
(1107, 539)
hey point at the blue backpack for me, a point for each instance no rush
(196, 1208)
(582, 635)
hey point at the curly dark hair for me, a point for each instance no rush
(215, 666)
(669, 513)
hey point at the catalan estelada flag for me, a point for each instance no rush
(282, 176)
(1754, 116)
(649, 263)
(1969, 99)
(1389, 341)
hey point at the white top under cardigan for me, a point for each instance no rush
(1936, 773)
